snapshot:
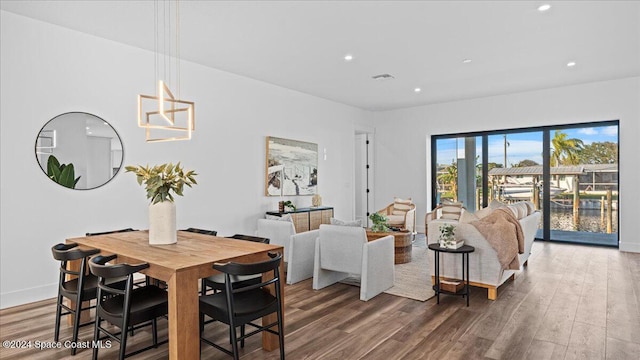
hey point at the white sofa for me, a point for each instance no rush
(484, 268)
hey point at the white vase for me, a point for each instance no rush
(162, 223)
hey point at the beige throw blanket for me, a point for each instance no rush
(504, 233)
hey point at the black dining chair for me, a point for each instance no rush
(242, 305)
(216, 282)
(111, 232)
(141, 282)
(125, 308)
(202, 231)
(78, 290)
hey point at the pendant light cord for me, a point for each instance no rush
(165, 73)
(178, 46)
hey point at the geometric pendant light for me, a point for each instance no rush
(165, 117)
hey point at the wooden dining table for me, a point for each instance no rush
(181, 265)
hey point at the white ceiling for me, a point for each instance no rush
(300, 45)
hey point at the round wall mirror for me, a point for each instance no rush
(79, 150)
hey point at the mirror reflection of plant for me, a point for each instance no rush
(63, 174)
(379, 222)
(161, 180)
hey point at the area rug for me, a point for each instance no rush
(412, 280)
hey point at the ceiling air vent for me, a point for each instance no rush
(383, 77)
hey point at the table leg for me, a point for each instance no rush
(184, 337)
(466, 294)
(437, 261)
(467, 256)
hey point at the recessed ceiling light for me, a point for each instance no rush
(571, 64)
(466, 61)
(417, 90)
(348, 57)
(87, 128)
(543, 8)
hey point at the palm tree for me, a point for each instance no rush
(451, 177)
(565, 151)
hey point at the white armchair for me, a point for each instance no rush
(298, 248)
(344, 250)
(301, 254)
(278, 232)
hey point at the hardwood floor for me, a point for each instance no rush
(572, 302)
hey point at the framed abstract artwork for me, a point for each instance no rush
(292, 167)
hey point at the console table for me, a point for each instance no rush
(306, 219)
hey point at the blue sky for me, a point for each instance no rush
(523, 145)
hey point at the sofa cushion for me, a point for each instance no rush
(395, 219)
(519, 210)
(530, 207)
(523, 210)
(495, 204)
(483, 212)
(400, 206)
(451, 210)
(467, 217)
(356, 223)
(513, 209)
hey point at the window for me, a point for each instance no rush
(580, 166)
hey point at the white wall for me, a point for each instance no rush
(403, 137)
(47, 70)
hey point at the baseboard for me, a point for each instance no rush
(25, 296)
(630, 247)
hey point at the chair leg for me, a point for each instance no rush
(203, 287)
(234, 341)
(96, 336)
(76, 324)
(123, 341)
(242, 334)
(56, 333)
(280, 333)
(154, 329)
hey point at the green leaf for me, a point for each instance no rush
(162, 180)
(67, 177)
(55, 174)
(52, 164)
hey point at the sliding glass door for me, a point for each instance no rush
(459, 170)
(574, 183)
(584, 184)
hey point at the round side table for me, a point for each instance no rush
(464, 250)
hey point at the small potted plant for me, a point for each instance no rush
(447, 236)
(379, 222)
(288, 206)
(160, 182)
